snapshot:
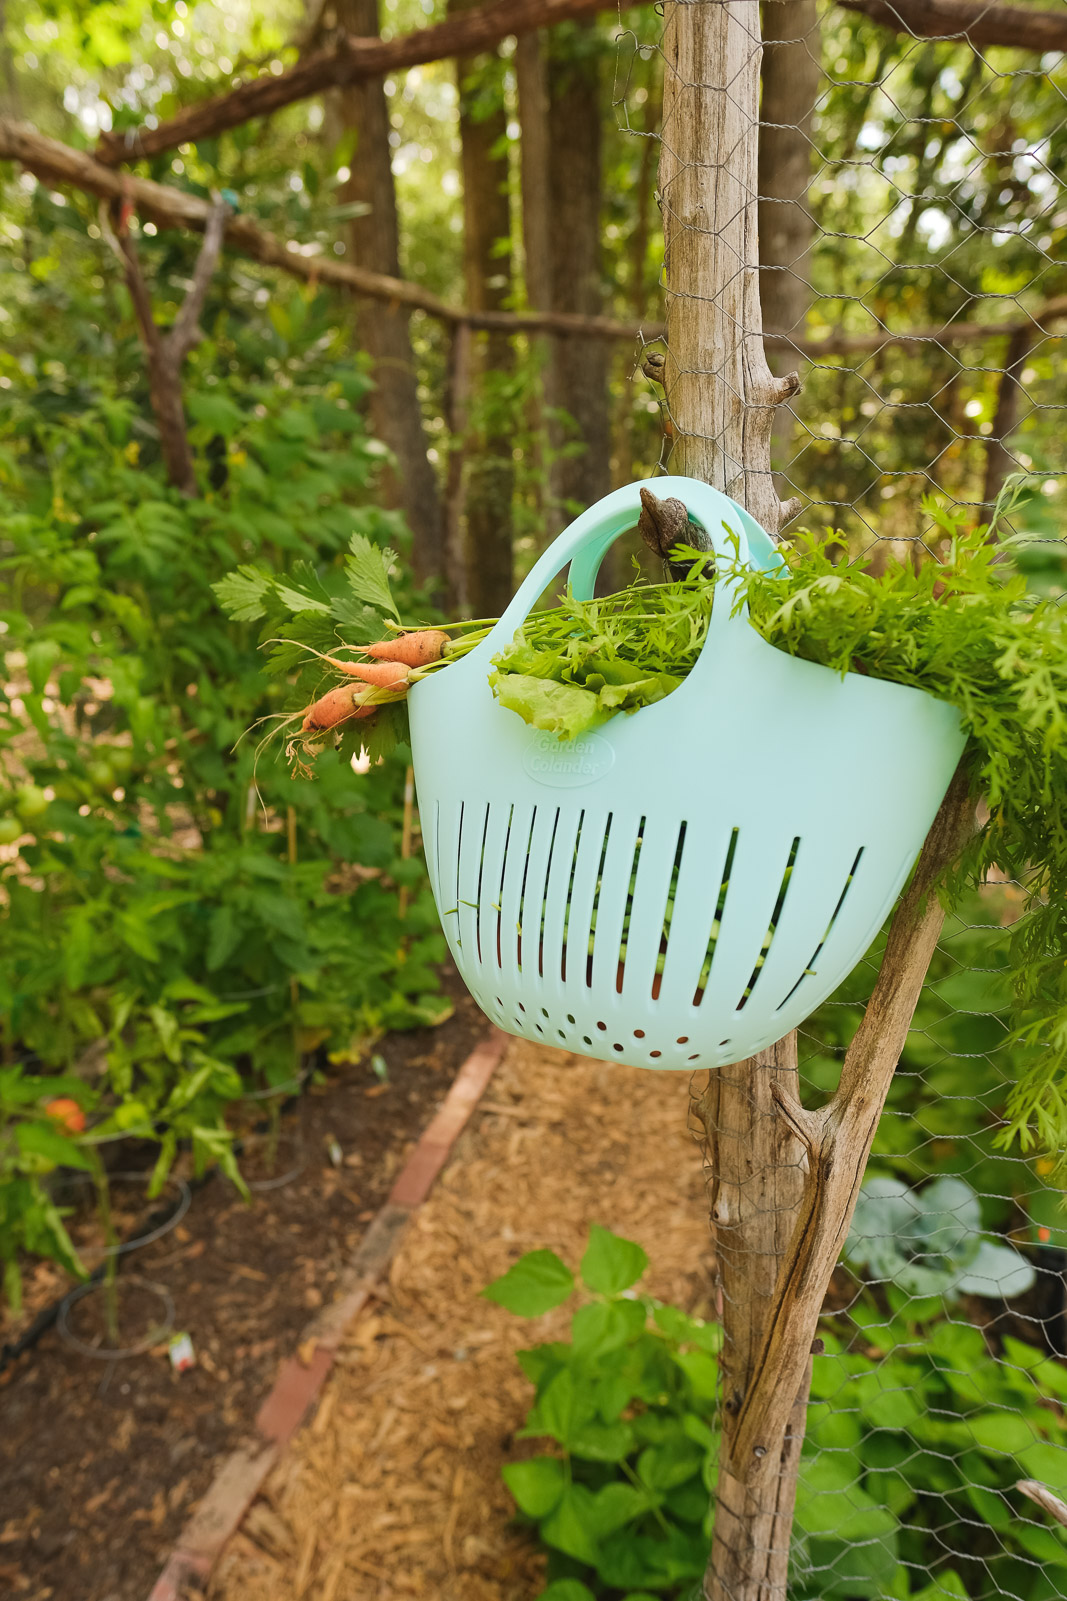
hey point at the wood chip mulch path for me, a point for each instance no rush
(393, 1489)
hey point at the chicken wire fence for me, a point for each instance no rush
(914, 274)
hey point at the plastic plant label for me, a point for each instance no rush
(182, 1355)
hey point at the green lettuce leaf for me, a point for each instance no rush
(560, 709)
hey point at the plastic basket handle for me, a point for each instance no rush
(585, 543)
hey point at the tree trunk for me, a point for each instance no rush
(373, 241)
(999, 459)
(721, 397)
(487, 273)
(721, 394)
(531, 81)
(642, 284)
(578, 379)
(790, 83)
(756, 1189)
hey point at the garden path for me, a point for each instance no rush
(393, 1492)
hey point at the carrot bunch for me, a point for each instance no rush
(394, 665)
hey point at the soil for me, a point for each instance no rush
(101, 1461)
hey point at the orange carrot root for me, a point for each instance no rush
(383, 675)
(412, 650)
(335, 707)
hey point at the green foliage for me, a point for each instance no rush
(177, 928)
(964, 628)
(913, 1431)
(929, 1242)
(945, 1111)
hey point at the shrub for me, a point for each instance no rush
(179, 923)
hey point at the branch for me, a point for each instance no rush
(164, 375)
(350, 60)
(165, 352)
(124, 248)
(948, 333)
(1045, 1499)
(839, 1137)
(184, 332)
(976, 21)
(59, 165)
(353, 60)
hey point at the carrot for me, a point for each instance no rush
(413, 650)
(335, 707)
(384, 675)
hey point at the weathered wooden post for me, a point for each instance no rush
(782, 1181)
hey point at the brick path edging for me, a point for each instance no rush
(300, 1378)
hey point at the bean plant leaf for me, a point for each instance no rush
(536, 1484)
(569, 1525)
(611, 1264)
(604, 1326)
(538, 1282)
(558, 1410)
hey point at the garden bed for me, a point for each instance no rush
(393, 1490)
(102, 1461)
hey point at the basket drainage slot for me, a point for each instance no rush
(500, 891)
(772, 927)
(716, 922)
(481, 875)
(522, 892)
(544, 902)
(809, 971)
(570, 897)
(596, 904)
(620, 972)
(668, 916)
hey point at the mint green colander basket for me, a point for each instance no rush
(687, 884)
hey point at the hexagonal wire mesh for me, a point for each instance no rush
(913, 224)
